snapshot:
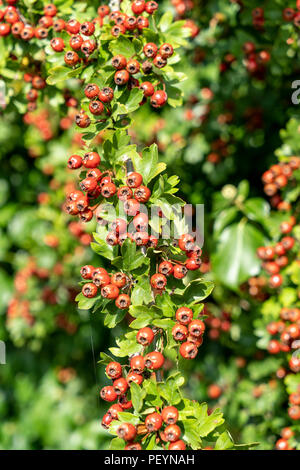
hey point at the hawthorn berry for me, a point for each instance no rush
(87, 28)
(151, 7)
(120, 386)
(91, 159)
(126, 431)
(73, 26)
(71, 58)
(134, 180)
(111, 239)
(106, 95)
(106, 420)
(133, 67)
(138, 6)
(114, 370)
(150, 50)
(133, 446)
(87, 271)
(147, 88)
(89, 290)
(123, 301)
(184, 315)
(57, 44)
(154, 360)
(141, 238)
(166, 51)
(158, 281)
(188, 350)
(124, 193)
(134, 377)
(153, 422)
(159, 62)
(169, 415)
(100, 278)
(121, 77)
(91, 90)
(119, 279)
(177, 445)
(110, 291)
(179, 332)
(196, 327)
(137, 364)
(131, 207)
(166, 268)
(145, 336)
(108, 190)
(119, 62)
(159, 98)
(172, 432)
(108, 393)
(179, 271)
(74, 162)
(114, 410)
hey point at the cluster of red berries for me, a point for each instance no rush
(162, 422)
(275, 258)
(110, 285)
(256, 287)
(290, 14)
(37, 83)
(217, 324)
(40, 120)
(283, 443)
(189, 332)
(177, 269)
(15, 24)
(277, 178)
(255, 61)
(288, 329)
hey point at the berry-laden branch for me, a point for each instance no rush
(280, 325)
(121, 59)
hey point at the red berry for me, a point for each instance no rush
(124, 193)
(137, 364)
(91, 159)
(108, 393)
(89, 290)
(188, 350)
(172, 432)
(196, 328)
(169, 415)
(114, 370)
(179, 332)
(87, 271)
(119, 62)
(87, 28)
(57, 44)
(121, 77)
(145, 336)
(150, 50)
(120, 385)
(184, 315)
(71, 58)
(153, 422)
(154, 360)
(158, 281)
(110, 291)
(126, 431)
(158, 99)
(123, 301)
(74, 162)
(133, 377)
(177, 445)
(73, 26)
(138, 6)
(134, 180)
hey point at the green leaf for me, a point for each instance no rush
(235, 259)
(141, 293)
(102, 248)
(132, 259)
(60, 74)
(224, 441)
(137, 395)
(148, 164)
(122, 46)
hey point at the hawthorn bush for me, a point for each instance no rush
(120, 79)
